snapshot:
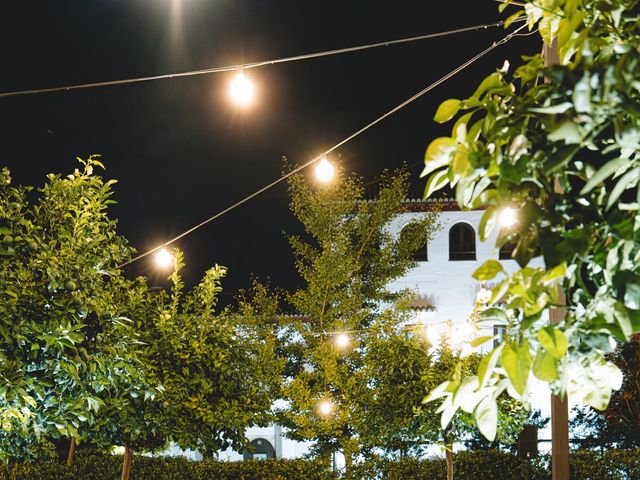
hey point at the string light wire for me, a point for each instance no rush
(411, 99)
(230, 68)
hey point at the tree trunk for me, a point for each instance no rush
(126, 463)
(448, 454)
(72, 452)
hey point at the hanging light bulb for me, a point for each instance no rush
(342, 340)
(325, 407)
(324, 170)
(242, 91)
(163, 258)
(508, 217)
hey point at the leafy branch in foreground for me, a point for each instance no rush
(561, 146)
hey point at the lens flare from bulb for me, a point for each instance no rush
(508, 217)
(324, 170)
(342, 340)
(242, 91)
(164, 259)
(325, 407)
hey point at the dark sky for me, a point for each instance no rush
(181, 151)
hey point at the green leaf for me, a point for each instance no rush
(553, 340)
(438, 154)
(438, 392)
(447, 110)
(554, 109)
(629, 179)
(436, 181)
(567, 132)
(488, 270)
(487, 222)
(494, 313)
(516, 360)
(492, 81)
(559, 271)
(476, 342)
(487, 417)
(605, 172)
(487, 364)
(544, 366)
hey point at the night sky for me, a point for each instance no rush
(181, 151)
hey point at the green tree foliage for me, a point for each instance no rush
(561, 146)
(61, 340)
(619, 425)
(347, 260)
(208, 376)
(88, 354)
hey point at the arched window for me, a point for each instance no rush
(422, 254)
(260, 449)
(462, 242)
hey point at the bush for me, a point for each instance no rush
(100, 467)
(469, 465)
(472, 465)
(495, 465)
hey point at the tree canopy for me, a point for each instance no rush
(560, 145)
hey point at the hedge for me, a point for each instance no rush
(100, 467)
(469, 465)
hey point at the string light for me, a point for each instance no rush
(325, 407)
(508, 217)
(319, 158)
(324, 170)
(231, 68)
(342, 340)
(241, 90)
(163, 258)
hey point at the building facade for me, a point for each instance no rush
(446, 294)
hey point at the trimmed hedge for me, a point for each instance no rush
(495, 465)
(469, 465)
(99, 467)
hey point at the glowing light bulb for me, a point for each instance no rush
(342, 340)
(325, 407)
(508, 217)
(164, 259)
(242, 91)
(324, 170)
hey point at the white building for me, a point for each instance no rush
(447, 295)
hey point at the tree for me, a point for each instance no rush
(89, 355)
(347, 260)
(60, 342)
(618, 425)
(509, 414)
(208, 377)
(565, 156)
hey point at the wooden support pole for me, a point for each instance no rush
(559, 414)
(559, 405)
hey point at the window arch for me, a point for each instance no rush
(422, 253)
(462, 242)
(260, 449)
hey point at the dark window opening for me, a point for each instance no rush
(260, 449)
(462, 242)
(422, 253)
(499, 331)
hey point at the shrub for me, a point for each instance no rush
(469, 465)
(100, 467)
